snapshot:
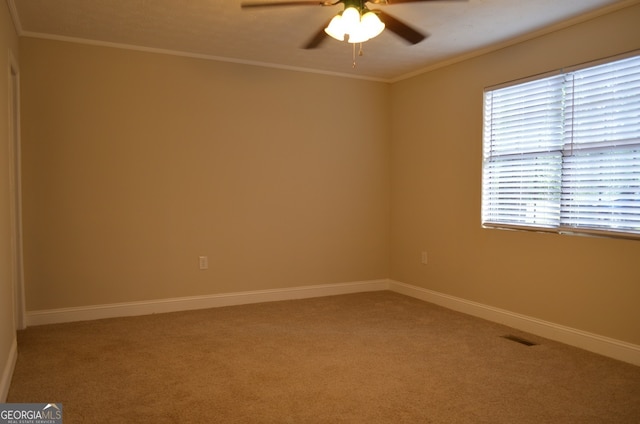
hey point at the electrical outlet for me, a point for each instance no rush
(423, 259)
(204, 262)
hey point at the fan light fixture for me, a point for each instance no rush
(359, 25)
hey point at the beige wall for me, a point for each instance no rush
(136, 163)
(591, 284)
(8, 43)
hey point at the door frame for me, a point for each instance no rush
(15, 183)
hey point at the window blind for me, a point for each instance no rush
(563, 152)
(523, 133)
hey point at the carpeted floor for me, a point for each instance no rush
(363, 358)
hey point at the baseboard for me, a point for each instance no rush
(606, 346)
(87, 313)
(7, 372)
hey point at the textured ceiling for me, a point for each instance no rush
(272, 36)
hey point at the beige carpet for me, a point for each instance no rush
(363, 358)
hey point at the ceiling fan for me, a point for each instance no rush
(356, 21)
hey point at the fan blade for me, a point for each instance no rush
(246, 5)
(390, 2)
(400, 28)
(318, 38)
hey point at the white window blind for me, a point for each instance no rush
(562, 153)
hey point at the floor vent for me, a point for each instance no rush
(519, 340)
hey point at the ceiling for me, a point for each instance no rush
(219, 29)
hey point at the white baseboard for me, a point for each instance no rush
(7, 372)
(606, 346)
(87, 313)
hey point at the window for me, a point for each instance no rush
(561, 153)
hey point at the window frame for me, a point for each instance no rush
(559, 228)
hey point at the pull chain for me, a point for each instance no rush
(354, 55)
(360, 53)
